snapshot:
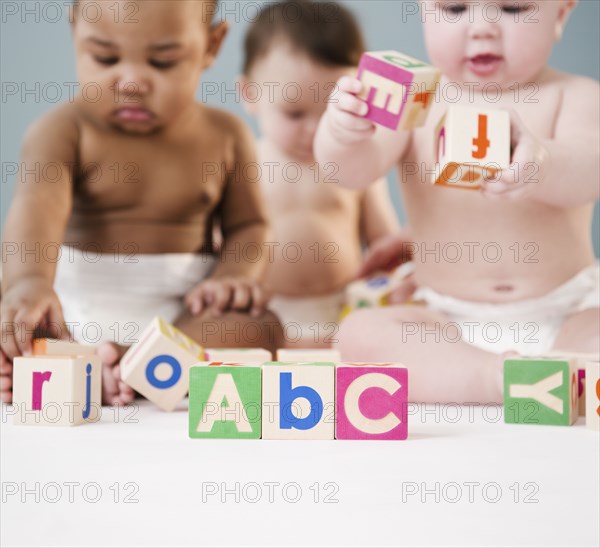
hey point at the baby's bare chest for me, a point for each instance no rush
(145, 177)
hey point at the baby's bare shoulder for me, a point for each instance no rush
(574, 86)
(223, 123)
(56, 133)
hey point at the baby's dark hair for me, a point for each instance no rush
(326, 31)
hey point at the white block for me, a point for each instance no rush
(57, 390)
(308, 408)
(54, 347)
(240, 355)
(158, 365)
(471, 142)
(308, 355)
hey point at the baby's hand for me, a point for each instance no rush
(224, 294)
(345, 112)
(529, 163)
(386, 254)
(29, 307)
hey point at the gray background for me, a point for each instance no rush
(37, 60)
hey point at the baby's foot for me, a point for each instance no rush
(114, 390)
(6, 369)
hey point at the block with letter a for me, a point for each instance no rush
(57, 390)
(471, 144)
(398, 89)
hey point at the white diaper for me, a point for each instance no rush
(114, 297)
(528, 327)
(305, 312)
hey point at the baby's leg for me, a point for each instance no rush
(440, 370)
(580, 332)
(233, 330)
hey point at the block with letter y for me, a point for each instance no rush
(540, 391)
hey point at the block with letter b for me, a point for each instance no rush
(225, 402)
(471, 144)
(372, 401)
(157, 366)
(57, 390)
(398, 89)
(541, 391)
(592, 394)
(298, 401)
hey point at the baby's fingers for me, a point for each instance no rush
(221, 297)
(349, 84)
(259, 300)
(241, 297)
(194, 300)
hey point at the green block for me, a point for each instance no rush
(329, 364)
(225, 402)
(540, 391)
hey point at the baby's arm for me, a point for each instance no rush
(36, 221)
(378, 218)
(361, 151)
(234, 283)
(564, 170)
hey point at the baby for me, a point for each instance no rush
(142, 172)
(535, 287)
(295, 52)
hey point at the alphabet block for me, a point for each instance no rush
(225, 402)
(471, 143)
(54, 347)
(298, 401)
(244, 355)
(371, 401)
(308, 355)
(581, 359)
(157, 366)
(540, 391)
(376, 290)
(592, 396)
(398, 89)
(57, 390)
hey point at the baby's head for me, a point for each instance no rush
(139, 63)
(294, 53)
(493, 41)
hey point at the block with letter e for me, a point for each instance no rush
(372, 401)
(471, 144)
(398, 89)
(541, 391)
(225, 401)
(157, 366)
(57, 390)
(298, 400)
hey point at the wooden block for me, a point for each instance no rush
(298, 401)
(471, 142)
(243, 355)
(581, 359)
(540, 391)
(592, 395)
(308, 355)
(225, 402)
(372, 401)
(57, 390)
(157, 366)
(398, 89)
(376, 290)
(54, 347)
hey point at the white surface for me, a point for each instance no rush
(170, 470)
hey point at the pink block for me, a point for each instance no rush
(393, 73)
(371, 402)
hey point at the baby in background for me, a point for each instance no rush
(549, 301)
(139, 225)
(294, 53)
